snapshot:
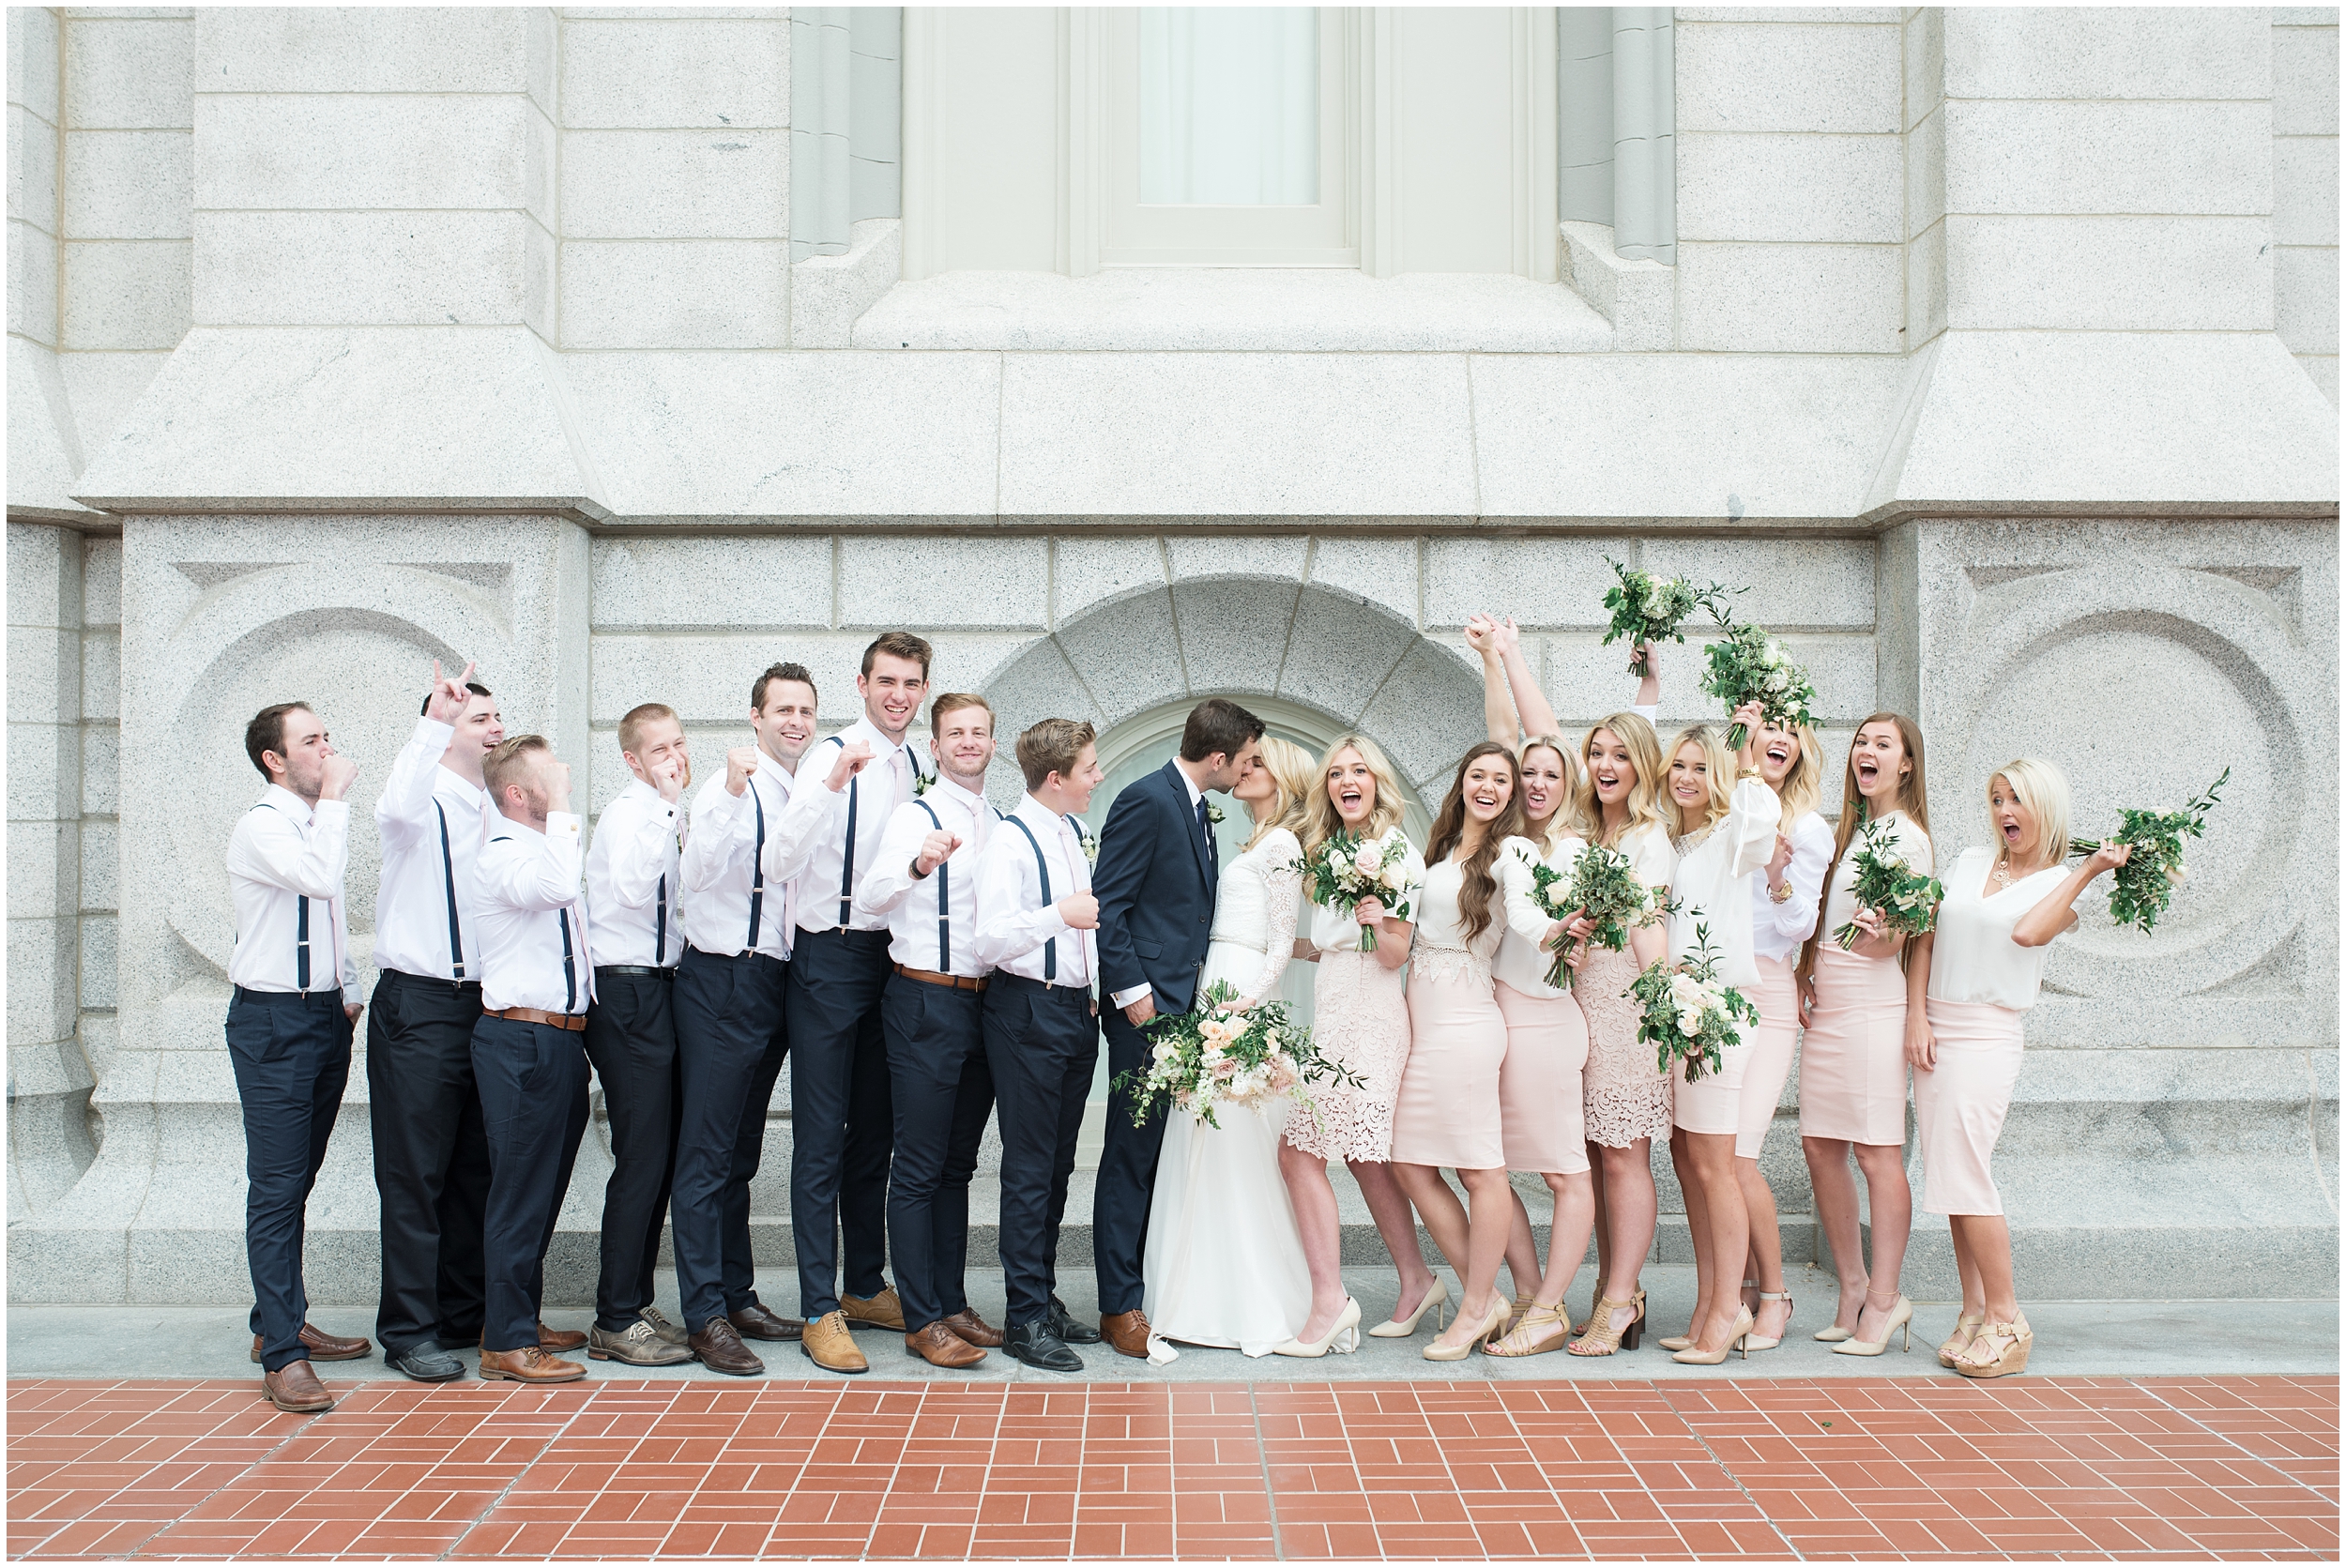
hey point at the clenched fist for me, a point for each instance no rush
(935, 849)
(334, 775)
(853, 758)
(1081, 911)
(740, 763)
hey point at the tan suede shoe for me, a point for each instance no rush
(883, 1311)
(829, 1345)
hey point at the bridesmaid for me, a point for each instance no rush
(1727, 821)
(1448, 1111)
(1859, 1008)
(1362, 1019)
(1987, 959)
(1627, 1102)
(1548, 1037)
(1784, 894)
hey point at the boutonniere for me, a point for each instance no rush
(1213, 813)
(1090, 843)
(920, 782)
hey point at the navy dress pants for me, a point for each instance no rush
(840, 1123)
(942, 1091)
(292, 1056)
(431, 1159)
(630, 1038)
(533, 1102)
(1127, 1176)
(1042, 1043)
(729, 1026)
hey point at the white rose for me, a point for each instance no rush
(1778, 680)
(1368, 860)
(1690, 1022)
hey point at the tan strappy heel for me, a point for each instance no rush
(1541, 1329)
(1998, 1350)
(1603, 1338)
(1966, 1329)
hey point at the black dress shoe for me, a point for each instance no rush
(1065, 1328)
(1038, 1347)
(425, 1361)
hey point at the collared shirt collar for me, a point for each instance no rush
(504, 822)
(638, 790)
(1037, 813)
(286, 800)
(789, 768)
(969, 800)
(1189, 784)
(882, 748)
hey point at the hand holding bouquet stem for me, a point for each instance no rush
(2146, 852)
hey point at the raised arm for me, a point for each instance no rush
(716, 834)
(638, 849)
(2054, 913)
(890, 880)
(1804, 873)
(1531, 704)
(818, 806)
(540, 874)
(1499, 710)
(271, 849)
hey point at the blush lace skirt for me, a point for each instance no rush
(1360, 1017)
(1626, 1099)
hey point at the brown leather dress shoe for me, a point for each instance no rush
(1127, 1333)
(939, 1345)
(976, 1329)
(883, 1311)
(295, 1387)
(323, 1347)
(554, 1341)
(529, 1364)
(719, 1349)
(757, 1321)
(829, 1345)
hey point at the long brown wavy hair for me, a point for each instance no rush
(1478, 895)
(1914, 798)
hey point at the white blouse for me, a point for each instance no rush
(1777, 930)
(1906, 836)
(1334, 932)
(1648, 847)
(1522, 962)
(1442, 949)
(1709, 882)
(1973, 958)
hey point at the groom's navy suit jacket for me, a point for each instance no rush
(1155, 886)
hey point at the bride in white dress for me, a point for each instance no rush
(1225, 1263)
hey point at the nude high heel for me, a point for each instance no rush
(1492, 1324)
(1538, 1332)
(1901, 1316)
(1736, 1338)
(1762, 1341)
(1966, 1329)
(1596, 1295)
(1603, 1338)
(1402, 1329)
(1343, 1337)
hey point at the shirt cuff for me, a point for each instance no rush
(1126, 998)
(437, 733)
(563, 824)
(333, 814)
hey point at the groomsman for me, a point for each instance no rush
(431, 1152)
(1035, 919)
(291, 1015)
(840, 803)
(923, 879)
(633, 884)
(1158, 872)
(535, 983)
(730, 1024)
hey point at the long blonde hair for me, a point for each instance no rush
(1322, 823)
(1645, 756)
(1718, 775)
(2045, 791)
(1802, 788)
(1559, 821)
(1290, 769)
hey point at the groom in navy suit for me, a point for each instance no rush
(1155, 883)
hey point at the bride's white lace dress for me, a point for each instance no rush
(1224, 1261)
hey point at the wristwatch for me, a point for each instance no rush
(1780, 894)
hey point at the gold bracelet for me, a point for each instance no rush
(1746, 773)
(1780, 894)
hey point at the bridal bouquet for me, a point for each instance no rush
(1752, 666)
(1346, 869)
(1646, 610)
(1908, 900)
(2142, 889)
(1688, 1013)
(1220, 1056)
(1605, 886)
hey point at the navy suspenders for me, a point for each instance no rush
(757, 865)
(301, 931)
(944, 898)
(659, 924)
(569, 965)
(847, 855)
(455, 932)
(1041, 869)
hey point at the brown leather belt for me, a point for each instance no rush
(572, 1021)
(930, 977)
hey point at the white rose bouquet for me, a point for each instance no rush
(1604, 884)
(1346, 869)
(1647, 609)
(1221, 1056)
(2142, 889)
(1909, 901)
(1752, 666)
(1688, 1013)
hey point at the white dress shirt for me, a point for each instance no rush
(635, 880)
(432, 824)
(918, 937)
(535, 947)
(813, 846)
(1020, 930)
(1710, 882)
(737, 904)
(1126, 998)
(1777, 930)
(285, 862)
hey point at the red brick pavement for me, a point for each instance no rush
(1888, 1468)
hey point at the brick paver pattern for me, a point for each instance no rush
(1888, 1468)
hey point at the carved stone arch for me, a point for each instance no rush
(1355, 664)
